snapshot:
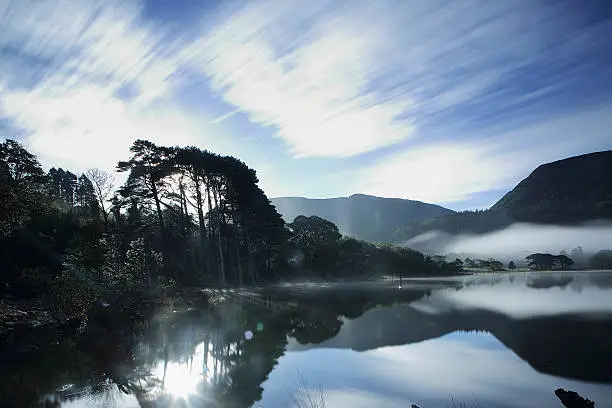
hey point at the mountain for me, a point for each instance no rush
(564, 192)
(362, 216)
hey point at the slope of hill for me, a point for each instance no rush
(565, 192)
(362, 216)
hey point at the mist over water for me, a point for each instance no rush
(519, 239)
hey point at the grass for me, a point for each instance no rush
(307, 395)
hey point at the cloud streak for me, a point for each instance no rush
(396, 90)
(449, 171)
(101, 73)
(340, 79)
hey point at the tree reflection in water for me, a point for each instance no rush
(199, 357)
(220, 355)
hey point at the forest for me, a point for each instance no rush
(184, 217)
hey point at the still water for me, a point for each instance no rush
(505, 340)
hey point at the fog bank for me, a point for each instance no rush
(519, 238)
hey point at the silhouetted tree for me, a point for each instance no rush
(511, 265)
(491, 264)
(541, 261)
(149, 167)
(23, 187)
(352, 255)
(103, 187)
(564, 261)
(317, 238)
(548, 261)
(85, 198)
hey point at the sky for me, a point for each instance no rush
(445, 102)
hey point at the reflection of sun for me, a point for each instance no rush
(182, 379)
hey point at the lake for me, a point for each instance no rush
(497, 340)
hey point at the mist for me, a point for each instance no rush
(518, 239)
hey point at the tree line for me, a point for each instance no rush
(547, 261)
(184, 216)
(198, 210)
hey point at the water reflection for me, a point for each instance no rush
(472, 367)
(506, 340)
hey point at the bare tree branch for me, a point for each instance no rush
(104, 186)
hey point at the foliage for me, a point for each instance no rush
(511, 265)
(548, 261)
(241, 236)
(564, 262)
(458, 263)
(326, 253)
(319, 240)
(490, 264)
(23, 187)
(352, 256)
(470, 263)
(71, 295)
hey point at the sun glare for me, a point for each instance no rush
(181, 379)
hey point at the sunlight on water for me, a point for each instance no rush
(182, 379)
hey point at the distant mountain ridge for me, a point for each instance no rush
(362, 216)
(565, 192)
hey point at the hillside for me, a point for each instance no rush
(362, 216)
(565, 192)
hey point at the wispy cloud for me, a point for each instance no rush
(340, 79)
(225, 117)
(453, 170)
(96, 71)
(439, 173)
(305, 75)
(330, 79)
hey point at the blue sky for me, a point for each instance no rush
(445, 102)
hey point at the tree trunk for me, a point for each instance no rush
(160, 218)
(236, 222)
(250, 264)
(200, 206)
(211, 226)
(219, 242)
(105, 216)
(239, 263)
